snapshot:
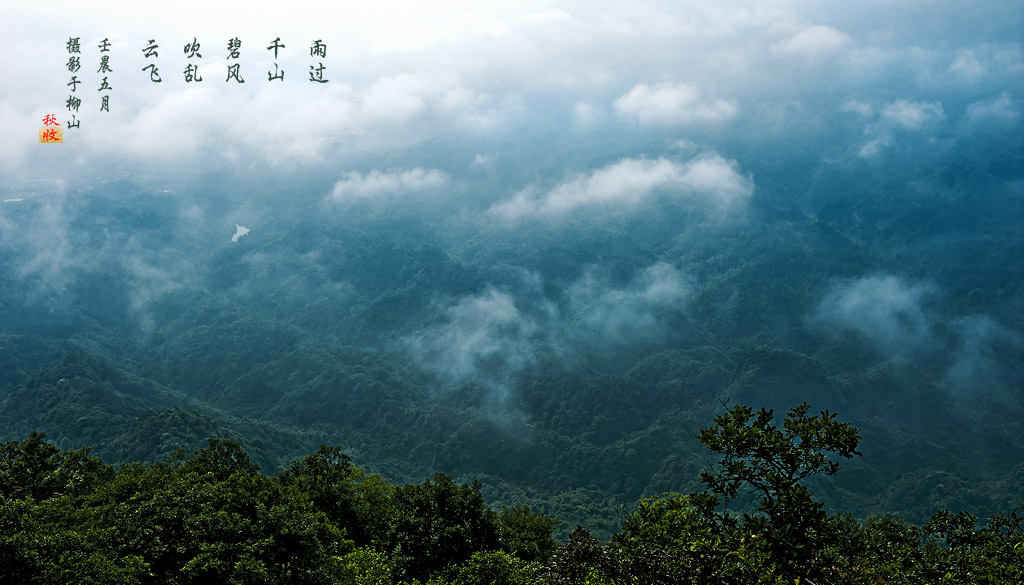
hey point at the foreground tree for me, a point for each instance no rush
(440, 523)
(760, 458)
(39, 470)
(526, 534)
(672, 539)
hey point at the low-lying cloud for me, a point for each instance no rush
(484, 339)
(886, 311)
(980, 363)
(493, 337)
(608, 316)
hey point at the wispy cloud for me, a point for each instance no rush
(980, 368)
(1000, 109)
(493, 337)
(608, 316)
(886, 311)
(912, 115)
(861, 109)
(485, 341)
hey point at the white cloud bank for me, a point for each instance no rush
(673, 104)
(376, 184)
(814, 41)
(629, 182)
(403, 74)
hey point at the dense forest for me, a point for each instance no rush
(211, 517)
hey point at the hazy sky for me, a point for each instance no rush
(405, 73)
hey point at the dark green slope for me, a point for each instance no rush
(81, 399)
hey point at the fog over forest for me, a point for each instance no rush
(538, 244)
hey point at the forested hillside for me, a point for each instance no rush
(211, 516)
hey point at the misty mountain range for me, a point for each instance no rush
(540, 247)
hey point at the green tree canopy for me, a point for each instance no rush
(771, 462)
